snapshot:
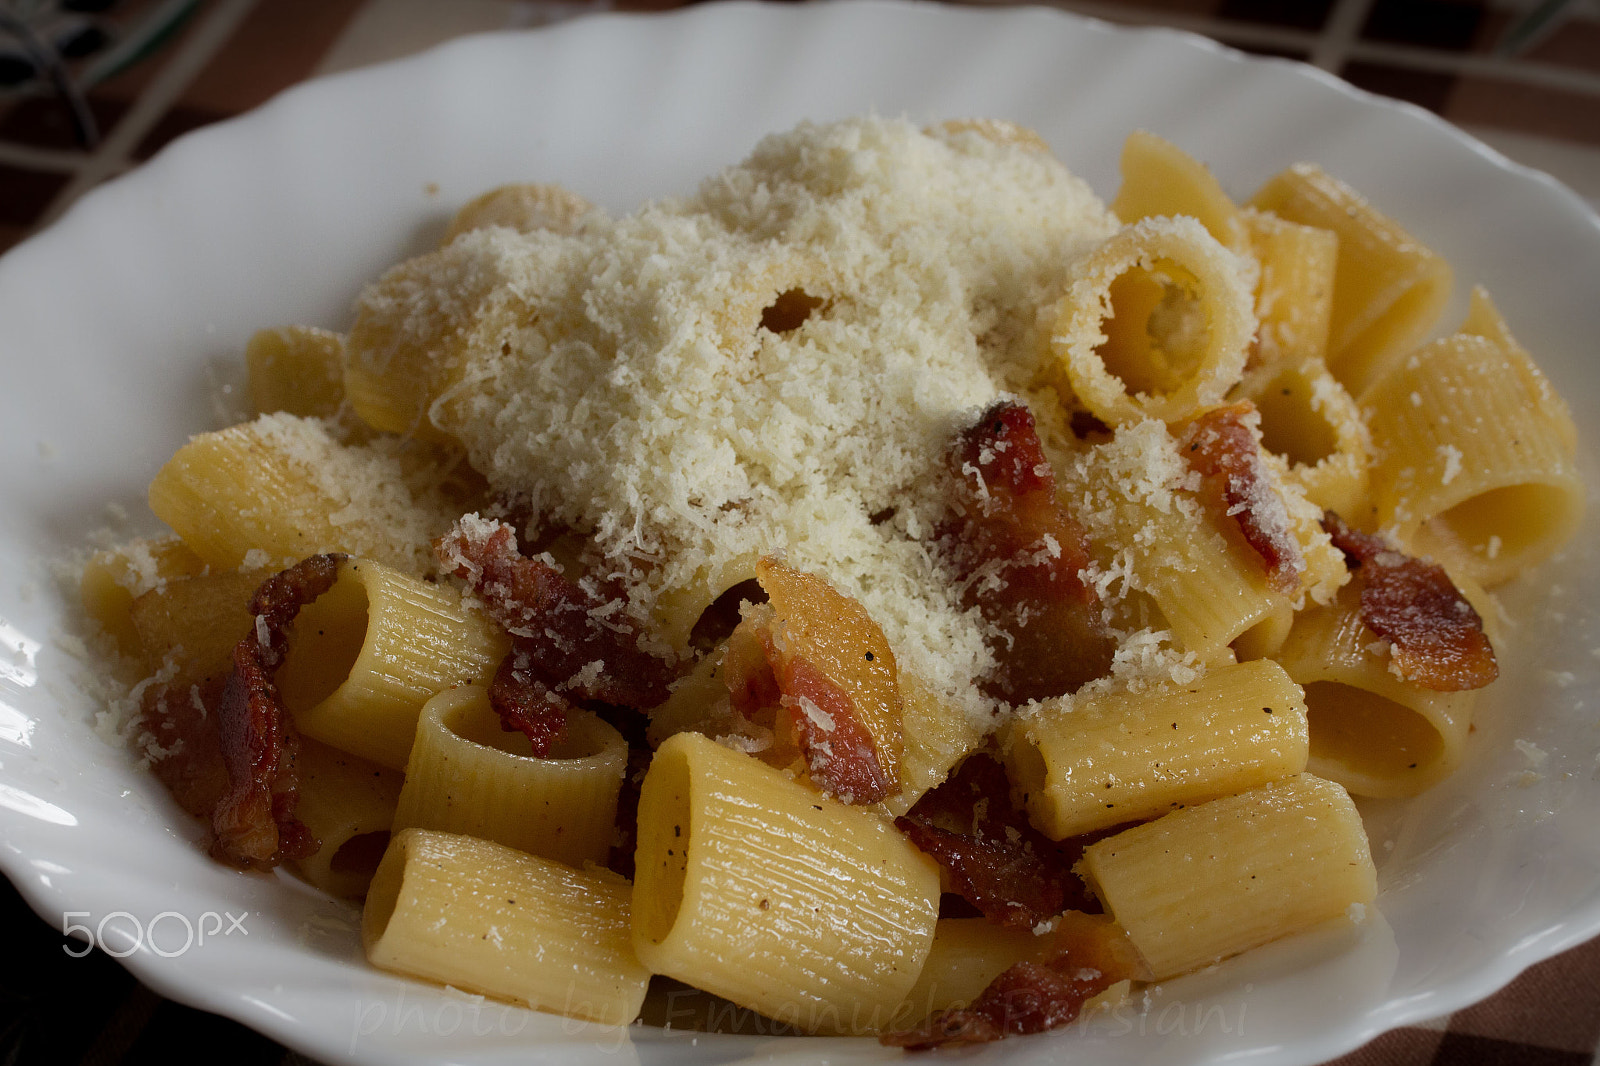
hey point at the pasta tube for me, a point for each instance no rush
(752, 886)
(1389, 290)
(1476, 457)
(366, 655)
(1208, 586)
(1108, 758)
(994, 129)
(493, 920)
(195, 622)
(1309, 419)
(281, 488)
(937, 734)
(1159, 178)
(969, 953)
(347, 803)
(524, 208)
(1154, 323)
(298, 369)
(112, 579)
(1370, 731)
(468, 775)
(417, 327)
(1208, 882)
(1294, 296)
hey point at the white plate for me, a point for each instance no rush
(109, 322)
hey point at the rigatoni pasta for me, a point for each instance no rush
(372, 650)
(754, 887)
(1160, 180)
(348, 803)
(468, 775)
(297, 369)
(1476, 456)
(111, 579)
(1154, 323)
(1208, 882)
(1389, 289)
(281, 488)
(714, 592)
(1309, 419)
(1372, 732)
(1102, 760)
(1294, 294)
(489, 919)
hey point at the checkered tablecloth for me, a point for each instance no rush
(90, 88)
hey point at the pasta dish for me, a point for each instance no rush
(890, 589)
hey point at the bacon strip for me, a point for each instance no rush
(1031, 997)
(1028, 997)
(841, 754)
(1222, 449)
(1436, 637)
(559, 630)
(524, 704)
(253, 824)
(182, 721)
(1020, 556)
(996, 860)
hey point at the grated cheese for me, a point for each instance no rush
(639, 399)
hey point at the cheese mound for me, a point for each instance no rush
(774, 364)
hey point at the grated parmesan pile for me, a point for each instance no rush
(647, 382)
(634, 394)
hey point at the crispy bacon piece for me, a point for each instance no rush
(524, 704)
(841, 754)
(996, 860)
(182, 720)
(1019, 555)
(839, 680)
(560, 631)
(1435, 635)
(253, 823)
(1222, 449)
(1028, 997)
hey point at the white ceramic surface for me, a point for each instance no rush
(114, 324)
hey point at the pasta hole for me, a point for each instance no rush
(1361, 732)
(789, 311)
(662, 860)
(383, 893)
(1500, 524)
(1026, 768)
(358, 857)
(718, 621)
(324, 643)
(1156, 333)
(1289, 425)
(476, 721)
